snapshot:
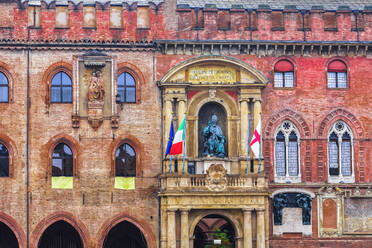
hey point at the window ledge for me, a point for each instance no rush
(289, 179)
(341, 179)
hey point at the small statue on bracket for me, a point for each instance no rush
(96, 91)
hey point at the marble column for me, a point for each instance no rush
(244, 126)
(171, 213)
(257, 110)
(167, 120)
(247, 227)
(260, 228)
(163, 238)
(185, 228)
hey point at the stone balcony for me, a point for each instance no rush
(207, 182)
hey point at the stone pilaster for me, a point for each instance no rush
(171, 214)
(247, 228)
(185, 228)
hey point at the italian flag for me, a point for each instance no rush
(179, 139)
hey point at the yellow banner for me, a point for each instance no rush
(62, 182)
(212, 74)
(125, 183)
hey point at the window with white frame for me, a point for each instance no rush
(340, 154)
(287, 153)
(337, 76)
(284, 74)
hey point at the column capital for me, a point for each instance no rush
(247, 209)
(260, 210)
(257, 99)
(171, 210)
(184, 210)
(181, 99)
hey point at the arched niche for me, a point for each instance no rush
(219, 132)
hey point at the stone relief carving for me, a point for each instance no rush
(96, 91)
(292, 200)
(216, 179)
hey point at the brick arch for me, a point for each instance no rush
(135, 144)
(138, 222)
(340, 114)
(282, 115)
(49, 74)
(64, 216)
(71, 142)
(137, 75)
(12, 151)
(15, 227)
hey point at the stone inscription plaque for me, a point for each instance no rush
(209, 74)
(358, 215)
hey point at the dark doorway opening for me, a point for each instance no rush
(214, 231)
(125, 234)
(60, 235)
(7, 237)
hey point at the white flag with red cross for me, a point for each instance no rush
(256, 140)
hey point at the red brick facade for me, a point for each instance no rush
(31, 126)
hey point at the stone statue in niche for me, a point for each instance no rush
(280, 202)
(304, 202)
(96, 91)
(213, 139)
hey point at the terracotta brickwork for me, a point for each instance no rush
(149, 41)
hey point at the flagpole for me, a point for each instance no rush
(248, 146)
(259, 150)
(184, 145)
(170, 165)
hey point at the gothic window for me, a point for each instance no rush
(62, 161)
(287, 153)
(340, 152)
(337, 76)
(4, 88)
(61, 88)
(125, 161)
(127, 88)
(284, 74)
(4, 161)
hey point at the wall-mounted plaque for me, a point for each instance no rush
(212, 74)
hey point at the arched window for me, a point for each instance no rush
(287, 153)
(284, 74)
(127, 88)
(340, 153)
(4, 161)
(125, 161)
(4, 88)
(62, 161)
(337, 76)
(61, 88)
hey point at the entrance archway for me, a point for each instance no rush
(215, 231)
(125, 234)
(60, 235)
(7, 237)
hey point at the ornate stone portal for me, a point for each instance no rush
(216, 94)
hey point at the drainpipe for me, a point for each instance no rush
(28, 148)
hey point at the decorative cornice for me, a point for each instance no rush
(262, 48)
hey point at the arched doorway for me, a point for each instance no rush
(60, 235)
(125, 234)
(7, 237)
(214, 231)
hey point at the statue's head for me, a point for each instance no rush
(214, 119)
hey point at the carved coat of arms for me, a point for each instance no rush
(216, 179)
